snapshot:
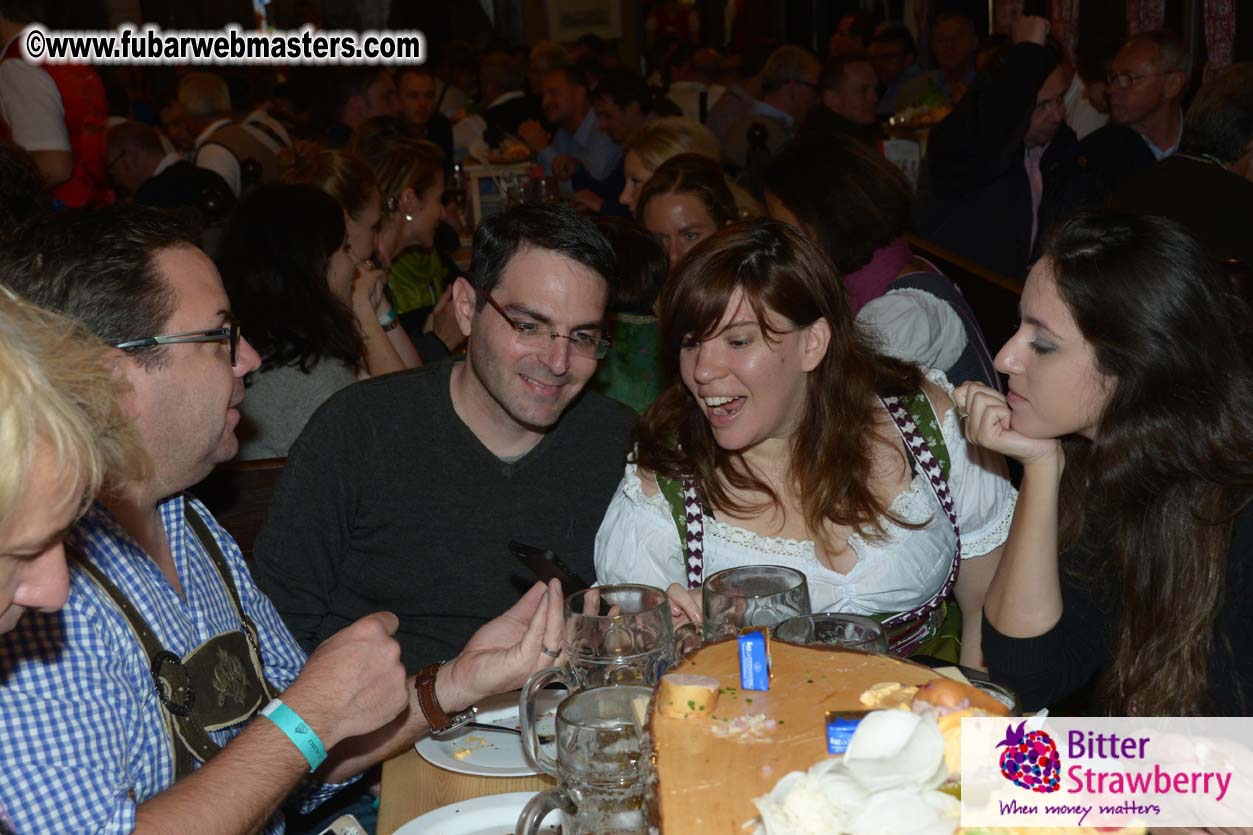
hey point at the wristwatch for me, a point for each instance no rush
(439, 721)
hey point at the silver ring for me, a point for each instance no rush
(551, 653)
(961, 415)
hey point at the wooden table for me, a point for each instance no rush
(412, 787)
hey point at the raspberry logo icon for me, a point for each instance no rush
(1030, 760)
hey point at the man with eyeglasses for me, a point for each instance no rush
(1145, 87)
(985, 184)
(403, 492)
(789, 88)
(168, 695)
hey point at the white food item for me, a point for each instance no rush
(885, 783)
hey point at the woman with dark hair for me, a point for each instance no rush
(685, 201)
(1130, 390)
(630, 372)
(856, 206)
(787, 439)
(296, 292)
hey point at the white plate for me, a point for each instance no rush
(490, 753)
(495, 814)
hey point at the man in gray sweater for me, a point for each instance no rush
(403, 491)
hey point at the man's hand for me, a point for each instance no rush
(443, 321)
(1030, 29)
(533, 134)
(565, 166)
(504, 653)
(353, 683)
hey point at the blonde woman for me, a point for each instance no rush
(62, 432)
(659, 140)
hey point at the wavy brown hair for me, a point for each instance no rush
(779, 271)
(1151, 500)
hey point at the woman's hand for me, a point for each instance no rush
(685, 605)
(985, 418)
(367, 290)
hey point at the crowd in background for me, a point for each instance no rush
(714, 333)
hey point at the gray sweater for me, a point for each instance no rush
(280, 401)
(390, 502)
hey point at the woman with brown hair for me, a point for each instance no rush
(347, 178)
(1130, 390)
(787, 439)
(685, 201)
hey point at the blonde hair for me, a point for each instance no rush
(657, 141)
(56, 387)
(406, 164)
(341, 174)
(665, 138)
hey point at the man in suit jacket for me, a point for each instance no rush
(989, 165)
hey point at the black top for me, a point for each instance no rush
(974, 196)
(822, 118)
(185, 185)
(390, 502)
(1214, 203)
(1050, 667)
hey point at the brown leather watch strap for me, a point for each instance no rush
(425, 682)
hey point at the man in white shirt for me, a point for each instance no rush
(692, 81)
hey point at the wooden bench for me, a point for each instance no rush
(238, 494)
(992, 297)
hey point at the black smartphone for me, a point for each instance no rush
(546, 565)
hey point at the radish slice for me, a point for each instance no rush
(900, 810)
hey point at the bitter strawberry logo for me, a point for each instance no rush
(1030, 760)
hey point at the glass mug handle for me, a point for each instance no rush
(526, 713)
(538, 807)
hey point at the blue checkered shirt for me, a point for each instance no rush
(82, 738)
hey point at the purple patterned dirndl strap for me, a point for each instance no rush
(921, 452)
(694, 542)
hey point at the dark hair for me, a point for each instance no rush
(831, 468)
(623, 87)
(24, 192)
(897, 34)
(833, 68)
(1093, 61)
(552, 227)
(274, 258)
(502, 71)
(331, 88)
(845, 194)
(956, 14)
(863, 26)
(23, 11)
(696, 175)
(1151, 498)
(642, 264)
(1220, 120)
(415, 69)
(98, 266)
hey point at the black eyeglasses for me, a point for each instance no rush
(228, 334)
(534, 334)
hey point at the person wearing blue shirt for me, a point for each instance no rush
(159, 593)
(579, 146)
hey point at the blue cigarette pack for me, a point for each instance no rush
(754, 661)
(840, 728)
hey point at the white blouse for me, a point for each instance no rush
(639, 543)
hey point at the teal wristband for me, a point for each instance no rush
(297, 730)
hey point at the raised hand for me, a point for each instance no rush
(564, 167)
(1030, 29)
(354, 682)
(504, 653)
(987, 422)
